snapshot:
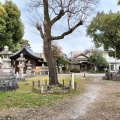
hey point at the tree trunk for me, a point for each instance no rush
(58, 67)
(53, 79)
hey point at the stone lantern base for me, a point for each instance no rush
(30, 73)
(7, 80)
(21, 78)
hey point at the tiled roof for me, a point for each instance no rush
(28, 50)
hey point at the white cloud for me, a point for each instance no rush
(107, 5)
(37, 47)
(75, 41)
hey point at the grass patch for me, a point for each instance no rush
(24, 97)
(117, 94)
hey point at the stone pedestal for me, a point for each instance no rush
(7, 80)
(7, 76)
(29, 70)
(44, 70)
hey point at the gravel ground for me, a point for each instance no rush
(100, 101)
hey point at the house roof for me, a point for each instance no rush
(75, 52)
(28, 50)
(83, 54)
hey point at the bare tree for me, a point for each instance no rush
(47, 13)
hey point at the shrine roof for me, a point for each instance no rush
(28, 50)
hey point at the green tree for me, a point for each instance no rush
(20, 43)
(25, 42)
(49, 13)
(60, 58)
(105, 31)
(13, 27)
(3, 16)
(118, 2)
(97, 60)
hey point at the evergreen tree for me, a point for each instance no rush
(105, 31)
(13, 27)
(97, 60)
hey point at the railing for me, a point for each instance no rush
(55, 89)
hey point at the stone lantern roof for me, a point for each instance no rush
(21, 58)
(6, 51)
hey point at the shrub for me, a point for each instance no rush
(75, 70)
(98, 71)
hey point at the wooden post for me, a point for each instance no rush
(69, 86)
(70, 83)
(33, 86)
(69, 90)
(63, 82)
(42, 89)
(38, 83)
(46, 82)
(75, 84)
(57, 90)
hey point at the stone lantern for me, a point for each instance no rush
(21, 66)
(7, 76)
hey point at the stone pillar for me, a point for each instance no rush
(7, 76)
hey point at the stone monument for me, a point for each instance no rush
(7, 76)
(21, 66)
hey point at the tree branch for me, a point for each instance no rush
(40, 30)
(67, 32)
(61, 13)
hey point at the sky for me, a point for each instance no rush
(75, 41)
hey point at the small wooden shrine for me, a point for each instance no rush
(29, 55)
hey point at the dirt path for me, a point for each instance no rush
(107, 104)
(101, 101)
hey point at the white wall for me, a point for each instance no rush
(112, 61)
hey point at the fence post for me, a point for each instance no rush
(33, 85)
(38, 83)
(69, 86)
(46, 82)
(42, 89)
(63, 82)
(70, 83)
(75, 84)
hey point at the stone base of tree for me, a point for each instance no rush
(50, 89)
(53, 90)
